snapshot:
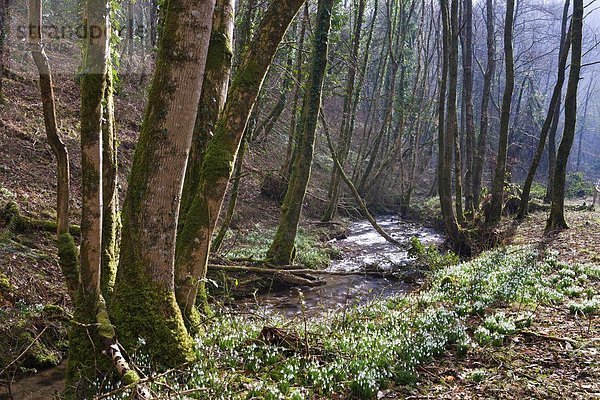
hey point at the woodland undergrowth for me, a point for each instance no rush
(361, 350)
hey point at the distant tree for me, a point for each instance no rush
(488, 78)
(347, 125)
(495, 208)
(551, 116)
(446, 123)
(557, 209)
(467, 58)
(556, 120)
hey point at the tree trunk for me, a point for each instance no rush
(235, 188)
(194, 239)
(556, 120)
(445, 134)
(67, 253)
(346, 129)
(282, 248)
(582, 125)
(468, 105)
(495, 210)
(452, 117)
(143, 303)
(212, 100)
(488, 79)
(110, 218)
(550, 117)
(291, 144)
(557, 210)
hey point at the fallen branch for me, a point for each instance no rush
(572, 342)
(24, 351)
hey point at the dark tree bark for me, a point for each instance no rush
(490, 71)
(468, 104)
(556, 119)
(495, 209)
(550, 117)
(282, 248)
(557, 210)
(445, 134)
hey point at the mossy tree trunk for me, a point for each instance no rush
(557, 210)
(298, 79)
(494, 212)
(194, 239)
(452, 112)
(210, 106)
(550, 115)
(484, 126)
(110, 199)
(212, 99)
(283, 246)
(143, 302)
(467, 62)
(445, 134)
(85, 360)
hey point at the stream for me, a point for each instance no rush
(363, 249)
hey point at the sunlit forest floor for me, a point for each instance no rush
(558, 357)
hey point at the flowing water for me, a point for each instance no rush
(363, 250)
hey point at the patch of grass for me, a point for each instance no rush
(429, 256)
(538, 191)
(311, 252)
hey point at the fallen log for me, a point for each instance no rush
(297, 272)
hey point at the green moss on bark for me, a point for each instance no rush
(141, 309)
(68, 257)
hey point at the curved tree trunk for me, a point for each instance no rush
(194, 239)
(282, 248)
(557, 210)
(143, 303)
(495, 211)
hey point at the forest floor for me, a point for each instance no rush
(559, 359)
